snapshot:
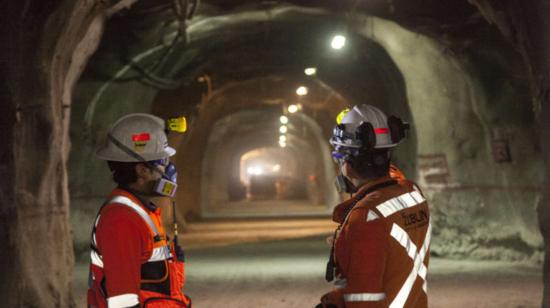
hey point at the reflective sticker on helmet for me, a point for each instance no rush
(341, 115)
(140, 141)
(141, 137)
(139, 146)
(381, 130)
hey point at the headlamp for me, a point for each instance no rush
(178, 124)
(341, 115)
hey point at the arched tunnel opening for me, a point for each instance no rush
(260, 84)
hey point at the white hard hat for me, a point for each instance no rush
(137, 133)
(365, 126)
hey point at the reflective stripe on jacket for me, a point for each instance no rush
(382, 250)
(157, 278)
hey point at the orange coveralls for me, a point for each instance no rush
(382, 249)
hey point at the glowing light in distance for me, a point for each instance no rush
(301, 91)
(282, 143)
(255, 170)
(283, 119)
(282, 138)
(283, 129)
(338, 42)
(310, 71)
(276, 168)
(292, 108)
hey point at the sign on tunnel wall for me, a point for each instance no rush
(433, 171)
(434, 174)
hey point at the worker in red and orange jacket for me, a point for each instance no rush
(380, 251)
(133, 264)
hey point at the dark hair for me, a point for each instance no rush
(124, 173)
(372, 164)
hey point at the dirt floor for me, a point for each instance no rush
(266, 271)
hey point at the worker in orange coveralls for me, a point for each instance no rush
(133, 263)
(380, 251)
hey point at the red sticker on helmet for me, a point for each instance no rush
(141, 137)
(381, 130)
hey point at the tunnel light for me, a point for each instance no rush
(338, 42)
(255, 170)
(283, 119)
(282, 138)
(283, 129)
(310, 71)
(276, 168)
(292, 108)
(282, 144)
(301, 91)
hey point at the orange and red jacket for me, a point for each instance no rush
(382, 250)
(132, 263)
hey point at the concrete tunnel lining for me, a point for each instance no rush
(221, 132)
(527, 58)
(426, 118)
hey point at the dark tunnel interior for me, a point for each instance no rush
(260, 84)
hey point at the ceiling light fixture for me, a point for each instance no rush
(292, 108)
(310, 71)
(338, 42)
(301, 91)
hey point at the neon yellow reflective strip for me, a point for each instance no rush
(341, 115)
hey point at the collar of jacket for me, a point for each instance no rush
(149, 205)
(340, 211)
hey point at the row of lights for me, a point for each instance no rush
(283, 130)
(338, 42)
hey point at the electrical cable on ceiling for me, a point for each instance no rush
(183, 10)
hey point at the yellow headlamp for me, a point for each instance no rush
(178, 124)
(341, 115)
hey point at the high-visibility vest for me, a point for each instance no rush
(162, 275)
(394, 266)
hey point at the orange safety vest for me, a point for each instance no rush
(161, 269)
(382, 249)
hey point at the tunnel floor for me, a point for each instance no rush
(274, 264)
(276, 208)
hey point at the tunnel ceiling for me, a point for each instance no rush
(229, 42)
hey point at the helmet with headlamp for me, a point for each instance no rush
(363, 129)
(141, 137)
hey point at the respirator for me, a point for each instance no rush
(166, 185)
(342, 183)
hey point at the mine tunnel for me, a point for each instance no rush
(260, 84)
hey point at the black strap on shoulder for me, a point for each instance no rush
(331, 264)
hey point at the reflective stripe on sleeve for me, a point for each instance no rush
(399, 203)
(160, 253)
(364, 297)
(96, 259)
(123, 300)
(141, 212)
